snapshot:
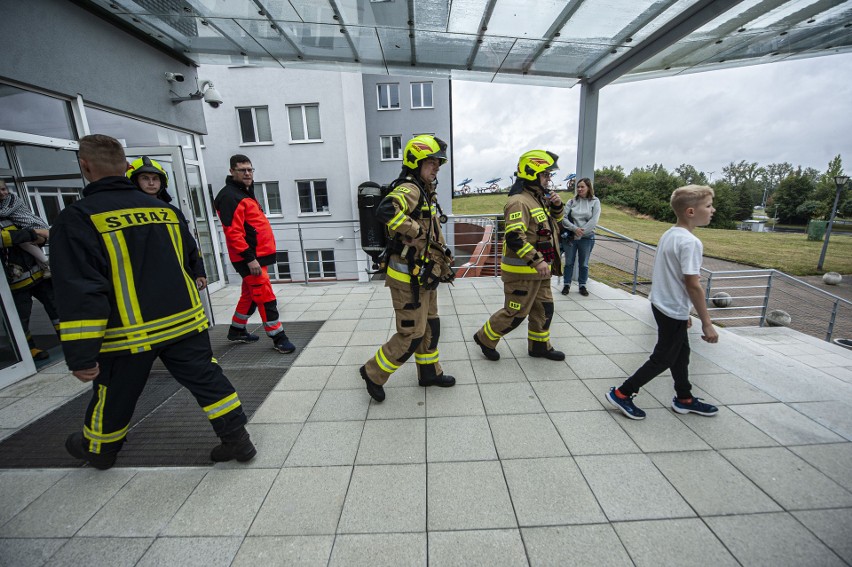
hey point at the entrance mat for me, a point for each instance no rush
(168, 429)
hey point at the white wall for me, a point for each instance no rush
(340, 158)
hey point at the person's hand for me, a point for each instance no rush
(254, 268)
(43, 232)
(689, 323)
(543, 269)
(579, 232)
(87, 375)
(555, 199)
(200, 282)
(709, 333)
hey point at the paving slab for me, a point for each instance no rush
(526, 436)
(593, 433)
(305, 377)
(791, 543)
(510, 398)
(273, 442)
(341, 405)
(392, 441)
(28, 552)
(303, 501)
(629, 487)
(785, 424)
(469, 495)
(835, 461)
(566, 395)
(224, 503)
(116, 552)
(191, 552)
(712, 485)
(154, 496)
(835, 415)
(20, 487)
(402, 402)
(575, 546)
(462, 400)
(662, 431)
(652, 543)
(549, 492)
(326, 444)
(286, 407)
(832, 527)
(397, 550)
(727, 430)
(384, 498)
(63, 508)
(459, 439)
(479, 548)
(782, 474)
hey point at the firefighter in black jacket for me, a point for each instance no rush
(121, 261)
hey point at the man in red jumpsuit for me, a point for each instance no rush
(251, 248)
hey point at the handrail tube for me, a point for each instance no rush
(831, 322)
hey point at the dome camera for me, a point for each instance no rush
(211, 95)
(175, 77)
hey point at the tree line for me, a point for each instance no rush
(793, 194)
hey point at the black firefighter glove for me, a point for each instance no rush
(545, 247)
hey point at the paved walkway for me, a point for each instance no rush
(523, 462)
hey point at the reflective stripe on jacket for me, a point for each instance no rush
(122, 261)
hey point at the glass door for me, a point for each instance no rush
(186, 192)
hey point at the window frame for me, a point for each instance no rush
(320, 260)
(266, 208)
(379, 97)
(382, 149)
(253, 109)
(313, 212)
(420, 84)
(304, 115)
(278, 275)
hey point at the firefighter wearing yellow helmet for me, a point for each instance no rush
(418, 261)
(530, 258)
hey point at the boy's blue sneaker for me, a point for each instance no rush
(625, 405)
(695, 406)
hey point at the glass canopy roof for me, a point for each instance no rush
(548, 42)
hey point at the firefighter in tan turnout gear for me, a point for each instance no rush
(418, 261)
(530, 256)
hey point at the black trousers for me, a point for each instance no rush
(23, 298)
(670, 352)
(122, 379)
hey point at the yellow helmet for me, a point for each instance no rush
(536, 161)
(421, 147)
(147, 165)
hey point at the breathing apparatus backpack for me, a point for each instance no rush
(374, 234)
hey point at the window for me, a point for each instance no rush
(388, 96)
(49, 198)
(421, 95)
(391, 147)
(282, 265)
(304, 123)
(313, 196)
(320, 263)
(254, 125)
(271, 197)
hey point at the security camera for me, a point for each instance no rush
(211, 95)
(174, 77)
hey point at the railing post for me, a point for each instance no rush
(304, 256)
(707, 289)
(766, 298)
(496, 243)
(636, 269)
(831, 321)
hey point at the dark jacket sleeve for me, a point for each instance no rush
(82, 287)
(192, 252)
(12, 236)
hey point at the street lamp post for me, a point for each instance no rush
(840, 181)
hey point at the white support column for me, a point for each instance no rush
(588, 131)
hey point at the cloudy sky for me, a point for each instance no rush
(797, 111)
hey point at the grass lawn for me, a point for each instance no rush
(790, 253)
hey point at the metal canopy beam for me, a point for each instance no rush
(677, 28)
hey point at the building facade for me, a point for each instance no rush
(71, 74)
(313, 137)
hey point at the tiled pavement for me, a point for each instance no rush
(523, 462)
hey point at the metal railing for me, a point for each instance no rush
(618, 260)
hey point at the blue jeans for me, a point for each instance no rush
(581, 247)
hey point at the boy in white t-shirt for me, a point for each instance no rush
(675, 284)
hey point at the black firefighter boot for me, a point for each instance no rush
(427, 377)
(539, 350)
(235, 445)
(75, 445)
